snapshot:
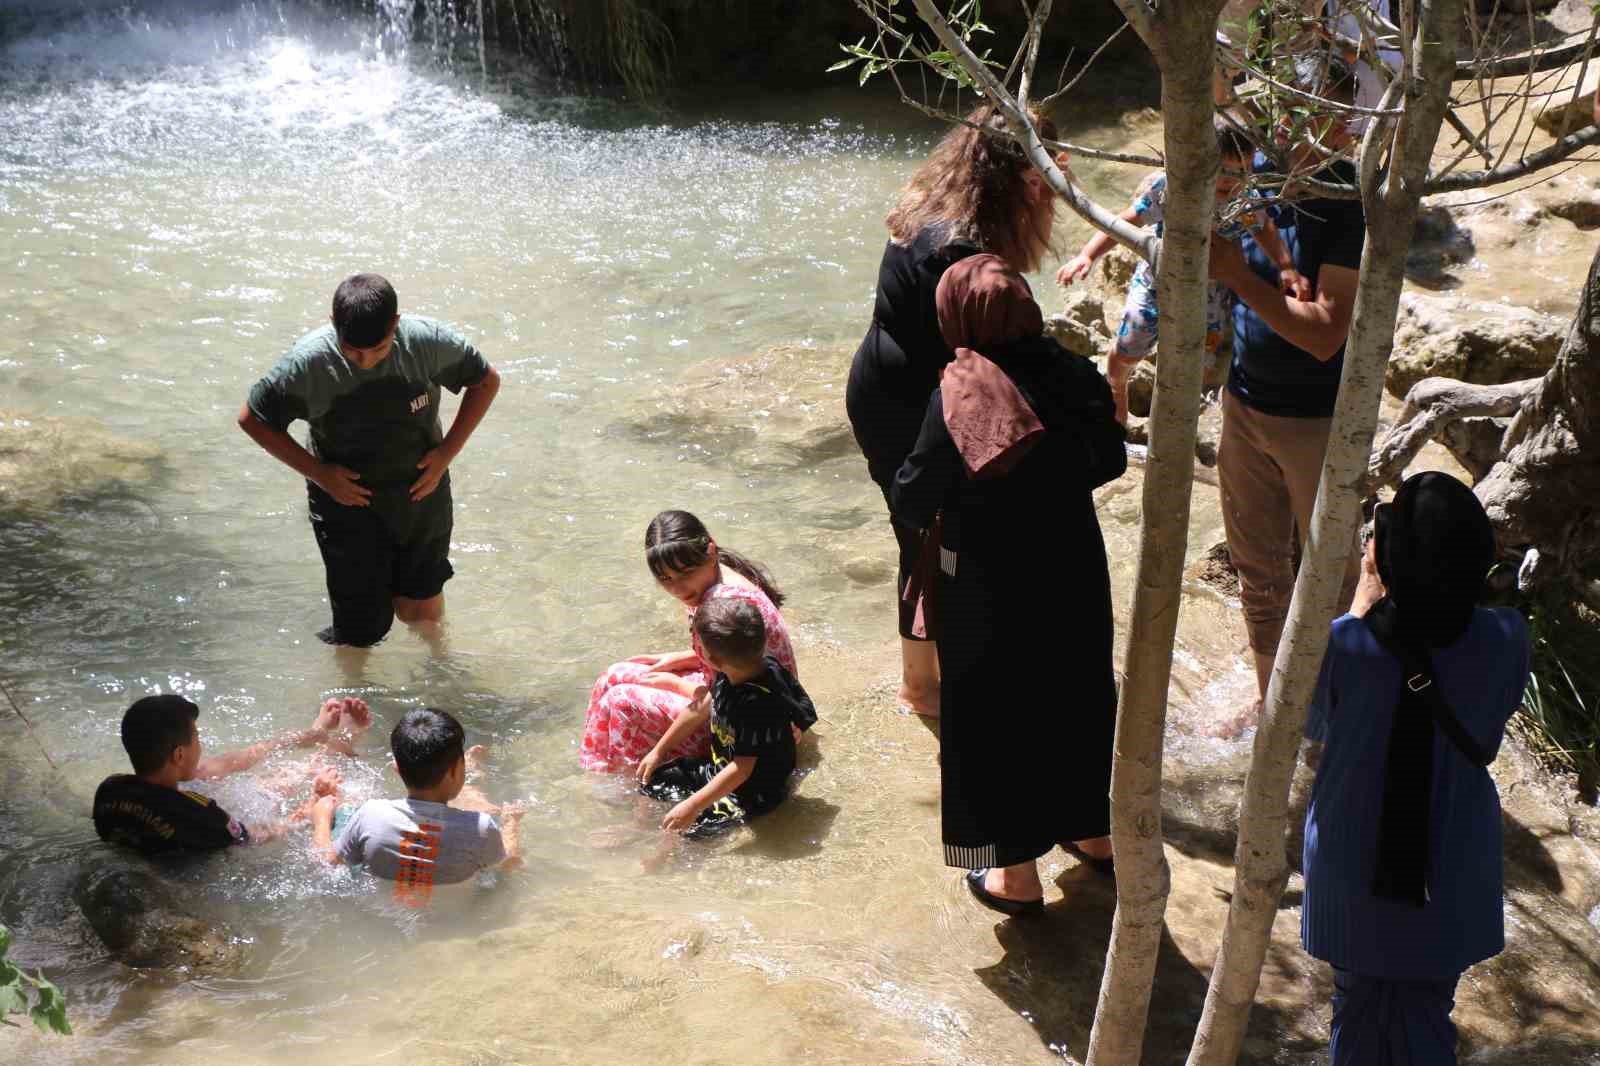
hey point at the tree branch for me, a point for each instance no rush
(1482, 179)
(1534, 61)
(1142, 242)
(1065, 89)
(1431, 406)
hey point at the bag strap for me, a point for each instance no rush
(1416, 673)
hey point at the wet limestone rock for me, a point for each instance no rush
(1080, 325)
(1563, 114)
(1109, 279)
(44, 459)
(144, 924)
(1215, 570)
(1473, 341)
(1438, 242)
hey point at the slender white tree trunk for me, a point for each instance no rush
(1261, 870)
(1183, 38)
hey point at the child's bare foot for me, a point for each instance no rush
(326, 783)
(357, 716)
(328, 716)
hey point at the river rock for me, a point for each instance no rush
(44, 459)
(1562, 114)
(1438, 242)
(1080, 326)
(144, 924)
(1215, 570)
(1474, 341)
(1109, 279)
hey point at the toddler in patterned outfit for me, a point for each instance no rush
(1136, 337)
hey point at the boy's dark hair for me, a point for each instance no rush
(1326, 75)
(1231, 140)
(426, 743)
(154, 727)
(364, 306)
(731, 630)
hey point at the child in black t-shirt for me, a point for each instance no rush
(757, 710)
(146, 809)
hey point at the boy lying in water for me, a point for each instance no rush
(422, 841)
(148, 811)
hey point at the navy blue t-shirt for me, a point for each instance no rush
(1268, 373)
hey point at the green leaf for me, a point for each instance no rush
(842, 64)
(5, 940)
(12, 999)
(50, 1013)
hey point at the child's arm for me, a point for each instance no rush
(728, 778)
(1290, 280)
(322, 830)
(668, 661)
(475, 401)
(510, 838)
(1079, 265)
(212, 767)
(681, 729)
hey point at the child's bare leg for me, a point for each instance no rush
(471, 797)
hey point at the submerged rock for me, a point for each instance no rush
(144, 924)
(44, 459)
(1474, 341)
(1438, 242)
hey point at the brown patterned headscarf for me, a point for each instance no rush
(983, 303)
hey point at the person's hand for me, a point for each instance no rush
(327, 719)
(648, 659)
(648, 766)
(1075, 269)
(669, 682)
(340, 483)
(433, 464)
(681, 817)
(1369, 590)
(1227, 261)
(1119, 397)
(1293, 283)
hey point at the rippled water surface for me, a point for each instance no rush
(179, 193)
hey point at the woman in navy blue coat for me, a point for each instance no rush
(1402, 847)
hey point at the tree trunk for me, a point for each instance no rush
(1545, 493)
(1260, 867)
(1182, 36)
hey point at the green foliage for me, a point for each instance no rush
(896, 45)
(49, 1011)
(1560, 716)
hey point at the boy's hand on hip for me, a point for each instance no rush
(433, 465)
(340, 483)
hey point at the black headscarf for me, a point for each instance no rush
(1434, 548)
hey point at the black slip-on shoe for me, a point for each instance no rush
(1014, 908)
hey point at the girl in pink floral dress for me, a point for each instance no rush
(635, 701)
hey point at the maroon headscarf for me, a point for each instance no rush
(983, 303)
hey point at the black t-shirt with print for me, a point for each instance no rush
(152, 819)
(754, 719)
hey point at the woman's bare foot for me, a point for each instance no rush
(1231, 728)
(1095, 847)
(925, 704)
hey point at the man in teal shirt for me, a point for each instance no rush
(377, 472)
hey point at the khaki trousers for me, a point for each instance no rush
(1268, 467)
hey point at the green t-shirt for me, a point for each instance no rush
(377, 422)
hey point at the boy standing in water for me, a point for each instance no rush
(377, 472)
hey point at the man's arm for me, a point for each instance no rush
(475, 401)
(336, 481)
(728, 778)
(1319, 325)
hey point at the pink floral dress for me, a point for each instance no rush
(626, 719)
